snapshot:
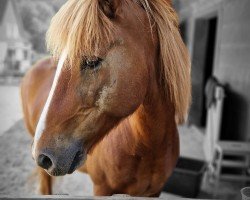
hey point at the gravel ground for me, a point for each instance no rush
(10, 107)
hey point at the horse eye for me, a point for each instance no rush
(91, 63)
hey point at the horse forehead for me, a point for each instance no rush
(65, 100)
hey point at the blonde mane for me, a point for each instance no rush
(82, 28)
(175, 59)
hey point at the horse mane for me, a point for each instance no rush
(175, 59)
(82, 28)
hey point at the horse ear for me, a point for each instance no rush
(109, 7)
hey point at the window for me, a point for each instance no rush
(11, 53)
(17, 66)
(25, 55)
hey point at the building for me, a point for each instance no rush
(217, 33)
(15, 49)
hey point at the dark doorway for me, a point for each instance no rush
(202, 67)
(183, 31)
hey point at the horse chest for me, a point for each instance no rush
(142, 176)
(131, 167)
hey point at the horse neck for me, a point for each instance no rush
(153, 123)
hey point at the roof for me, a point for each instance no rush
(3, 6)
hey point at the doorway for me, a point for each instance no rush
(183, 31)
(202, 66)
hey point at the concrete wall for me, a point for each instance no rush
(3, 50)
(233, 67)
(232, 56)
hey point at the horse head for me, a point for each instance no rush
(109, 52)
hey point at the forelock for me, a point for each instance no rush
(81, 27)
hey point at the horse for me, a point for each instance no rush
(109, 99)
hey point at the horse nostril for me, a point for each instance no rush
(44, 161)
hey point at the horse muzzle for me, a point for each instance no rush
(61, 161)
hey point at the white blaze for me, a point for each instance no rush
(41, 123)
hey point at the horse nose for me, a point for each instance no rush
(44, 161)
(59, 161)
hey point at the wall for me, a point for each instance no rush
(232, 56)
(233, 67)
(3, 50)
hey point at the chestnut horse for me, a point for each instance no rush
(109, 102)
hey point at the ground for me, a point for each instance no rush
(17, 174)
(9, 106)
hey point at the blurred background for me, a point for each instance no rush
(215, 149)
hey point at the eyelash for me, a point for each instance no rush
(91, 63)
